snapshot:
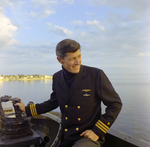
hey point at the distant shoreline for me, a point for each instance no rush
(26, 79)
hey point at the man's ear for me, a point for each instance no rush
(59, 59)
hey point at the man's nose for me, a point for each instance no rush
(77, 61)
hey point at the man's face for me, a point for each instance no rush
(71, 62)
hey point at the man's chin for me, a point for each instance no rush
(76, 71)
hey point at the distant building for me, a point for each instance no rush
(23, 77)
(47, 77)
(1, 77)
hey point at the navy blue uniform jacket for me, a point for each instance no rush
(80, 104)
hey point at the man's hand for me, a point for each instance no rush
(90, 134)
(21, 105)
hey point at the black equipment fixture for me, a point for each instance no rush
(13, 125)
(15, 128)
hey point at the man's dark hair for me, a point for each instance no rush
(66, 46)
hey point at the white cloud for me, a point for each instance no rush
(46, 13)
(78, 22)
(138, 8)
(33, 14)
(68, 1)
(42, 8)
(7, 30)
(136, 4)
(65, 31)
(44, 3)
(1, 10)
(95, 23)
(49, 24)
(144, 54)
(9, 3)
(90, 13)
(59, 30)
(41, 14)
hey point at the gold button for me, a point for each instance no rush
(66, 130)
(66, 118)
(79, 119)
(78, 107)
(77, 129)
(108, 123)
(66, 106)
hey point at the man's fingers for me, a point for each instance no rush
(90, 134)
(17, 104)
(21, 105)
(83, 133)
(17, 98)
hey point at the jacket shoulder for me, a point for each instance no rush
(91, 70)
(57, 74)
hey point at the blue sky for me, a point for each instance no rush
(114, 35)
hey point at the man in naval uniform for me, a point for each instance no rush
(79, 90)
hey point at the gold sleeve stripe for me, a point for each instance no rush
(103, 124)
(101, 128)
(86, 90)
(33, 110)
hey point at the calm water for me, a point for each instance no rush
(134, 118)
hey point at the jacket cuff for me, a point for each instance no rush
(101, 128)
(31, 110)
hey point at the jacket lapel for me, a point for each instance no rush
(77, 83)
(63, 83)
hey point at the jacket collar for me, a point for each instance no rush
(77, 83)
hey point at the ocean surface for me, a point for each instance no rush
(134, 118)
